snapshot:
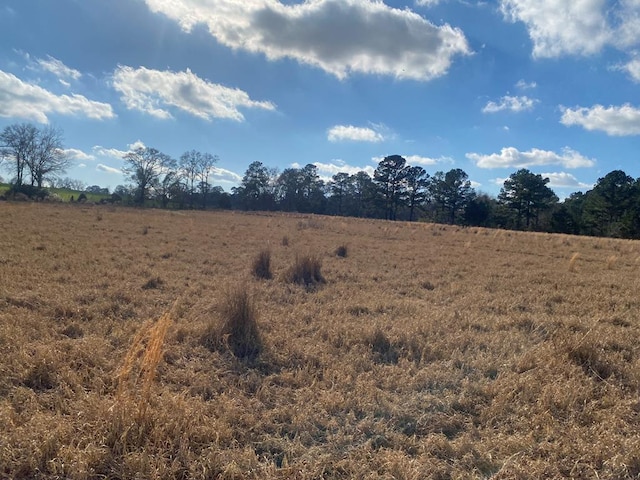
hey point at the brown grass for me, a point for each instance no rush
(342, 251)
(238, 331)
(422, 357)
(261, 267)
(306, 270)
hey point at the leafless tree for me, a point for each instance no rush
(19, 143)
(146, 167)
(49, 159)
(38, 151)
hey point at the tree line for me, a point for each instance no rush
(395, 191)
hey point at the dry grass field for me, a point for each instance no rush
(157, 344)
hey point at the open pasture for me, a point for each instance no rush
(429, 351)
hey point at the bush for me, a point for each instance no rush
(239, 329)
(342, 251)
(306, 271)
(29, 191)
(262, 265)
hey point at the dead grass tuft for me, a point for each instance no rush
(42, 376)
(153, 283)
(384, 351)
(239, 331)
(342, 251)
(589, 357)
(261, 267)
(306, 270)
(136, 375)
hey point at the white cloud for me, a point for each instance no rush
(339, 36)
(151, 91)
(106, 168)
(419, 160)
(559, 27)
(222, 175)
(564, 180)
(522, 85)
(59, 69)
(616, 121)
(514, 104)
(328, 170)
(114, 153)
(19, 99)
(510, 157)
(75, 154)
(340, 133)
(427, 161)
(581, 27)
(427, 3)
(632, 67)
(475, 185)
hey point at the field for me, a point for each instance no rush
(429, 351)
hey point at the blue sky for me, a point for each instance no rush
(489, 87)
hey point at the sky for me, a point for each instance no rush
(486, 86)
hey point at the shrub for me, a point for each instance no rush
(262, 265)
(285, 241)
(306, 271)
(239, 329)
(342, 251)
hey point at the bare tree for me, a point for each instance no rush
(49, 159)
(145, 167)
(205, 168)
(190, 167)
(18, 145)
(37, 150)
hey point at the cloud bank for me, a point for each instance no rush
(154, 92)
(340, 37)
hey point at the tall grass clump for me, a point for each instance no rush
(306, 270)
(261, 267)
(137, 373)
(238, 330)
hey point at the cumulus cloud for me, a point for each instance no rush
(558, 27)
(427, 3)
(115, 153)
(339, 133)
(20, 99)
(328, 170)
(75, 154)
(615, 121)
(565, 180)
(106, 168)
(152, 91)
(510, 157)
(514, 104)
(59, 69)
(419, 160)
(632, 67)
(222, 175)
(339, 36)
(522, 85)
(585, 27)
(427, 161)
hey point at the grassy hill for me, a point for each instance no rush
(428, 351)
(64, 193)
